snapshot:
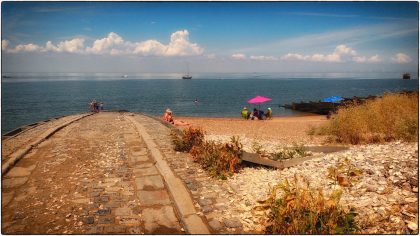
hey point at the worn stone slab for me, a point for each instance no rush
(130, 221)
(14, 182)
(144, 165)
(106, 220)
(81, 201)
(114, 229)
(20, 171)
(193, 223)
(138, 151)
(153, 197)
(105, 211)
(112, 189)
(112, 180)
(215, 224)
(151, 182)
(145, 171)
(6, 198)
(135, 159)
(123, 211)
(135, 230)
(156, 218)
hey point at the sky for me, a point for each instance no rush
(234, 37)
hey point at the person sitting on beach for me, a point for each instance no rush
(167, 116)
(269, 113)
(245, 113)
(255, 114)
(260, 115)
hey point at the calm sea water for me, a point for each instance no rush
(28, 98)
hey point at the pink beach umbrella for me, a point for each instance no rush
(258, 99)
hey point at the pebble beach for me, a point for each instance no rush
(385, 195)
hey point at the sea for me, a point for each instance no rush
(32, 97)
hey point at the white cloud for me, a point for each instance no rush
(401, 58)
(181, 46)
(105, 45)
(25, 48)
(363, 59)
(75, 45)
(375, 58)
(150, 47)
(4, 44)
(114, 44)
(49, 46)
(239, 56)
(294, 56)
(344, 50)
(341, 53)
(263, 58)
(72, 46)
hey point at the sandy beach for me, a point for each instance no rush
(277, 131)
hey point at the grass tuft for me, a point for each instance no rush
(284, 153)
(303, 210)
(221, 160)
(190, 137)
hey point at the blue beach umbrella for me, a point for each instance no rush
(333, 99)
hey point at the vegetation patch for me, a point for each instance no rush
(284, 153)
(388, 118)
(221, 160)
(301, 209)
(190, 137)
(344, 174)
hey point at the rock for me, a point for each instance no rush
(414, 182)
(370, 188)
(232, 223)
(412, 225)
(415, 190)
(343, 180)
(235, 187)
(215, 224)
(207, 209)
(204, 202)
(410, 199)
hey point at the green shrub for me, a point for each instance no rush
(221, 160)
(303, 210)
(344, 174)
(391, 117)
(291, 152)
(257, 148)
(189, 138)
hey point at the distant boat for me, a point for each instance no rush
(406, 76)
(124, 76)
(187, 76)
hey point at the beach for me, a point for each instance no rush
(279, 131)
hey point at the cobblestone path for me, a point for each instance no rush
(95, 176)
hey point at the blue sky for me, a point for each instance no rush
(212, 36)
